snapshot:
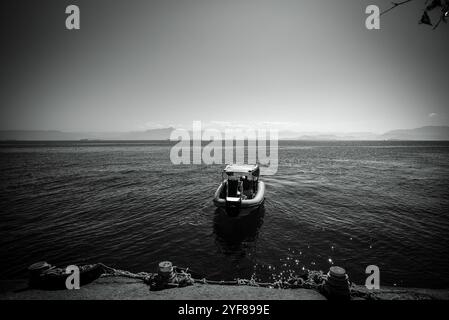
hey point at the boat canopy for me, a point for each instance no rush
(252, 169)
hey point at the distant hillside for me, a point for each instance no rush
(153, 134)
(54, 135)
(322, 137)
(423, 133)
(40, 135)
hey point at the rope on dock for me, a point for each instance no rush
(333, 284)
(112, 272)
(181, 277)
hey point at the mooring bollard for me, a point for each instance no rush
(164, 277)
(166, 270)
(35, 270)
(337, 284)
(38, 267)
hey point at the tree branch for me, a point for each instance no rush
(433, 5)
(439, 21)
(394, 5)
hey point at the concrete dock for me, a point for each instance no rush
(120, 288)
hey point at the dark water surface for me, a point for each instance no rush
(124, 204)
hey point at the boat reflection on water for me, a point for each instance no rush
(233, 234)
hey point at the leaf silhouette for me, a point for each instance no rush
(434, 4)
(425, 19)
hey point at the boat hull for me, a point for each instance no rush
(243, 204)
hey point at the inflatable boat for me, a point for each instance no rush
(240, 188)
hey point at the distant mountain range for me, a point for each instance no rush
(38, 135)
(423, 133)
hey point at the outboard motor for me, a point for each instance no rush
(233, 198)
(233, 202)
(233, 206)
(233, 188)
